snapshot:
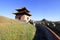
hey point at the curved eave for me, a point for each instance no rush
(29, 14)
(24, 8)
(21, 13)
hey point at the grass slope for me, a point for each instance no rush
(15, 30)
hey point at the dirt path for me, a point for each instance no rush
(42, 33)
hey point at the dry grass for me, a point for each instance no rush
(14, 30)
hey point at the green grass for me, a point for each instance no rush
(15, 30)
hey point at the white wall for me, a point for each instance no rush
(25, 18)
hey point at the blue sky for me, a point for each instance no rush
(40, 9)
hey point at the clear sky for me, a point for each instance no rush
(40, 9)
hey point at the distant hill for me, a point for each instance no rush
(15, 30)
(53, 25)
